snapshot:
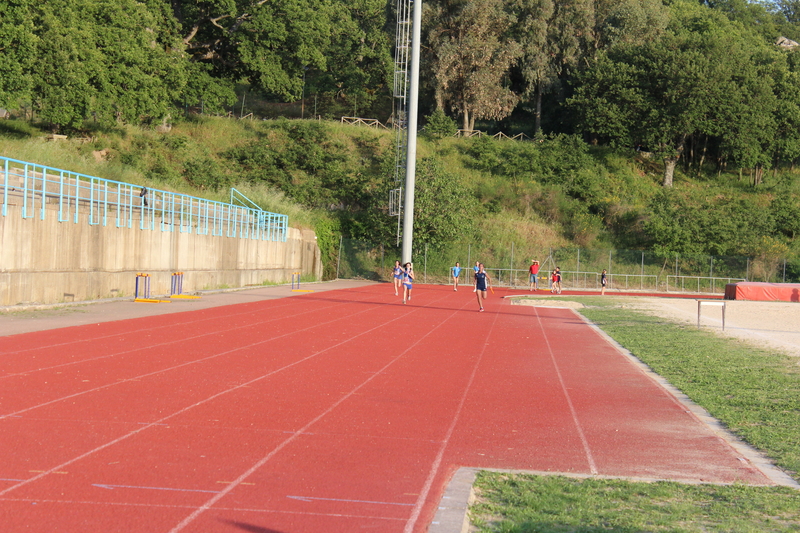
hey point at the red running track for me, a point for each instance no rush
(327, 412)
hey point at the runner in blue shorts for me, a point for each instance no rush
(408, 280)
(397, 277)
(482, 281)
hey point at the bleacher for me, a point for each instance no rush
(41, 191)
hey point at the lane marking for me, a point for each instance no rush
(231, 509)
(112, 487)
(312, 498)
(147, 347)
(437, 462)
(189, 519)
(215, 396)
(188, 363)
(587, 450)
(130, 332)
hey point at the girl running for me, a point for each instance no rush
(408, 279)
(482, 282)
(397, 277)
(603, 282)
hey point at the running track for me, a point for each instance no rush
(331, 412)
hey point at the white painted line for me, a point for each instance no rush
(189, 519)
(112, 487)
(185, 409)
(584, 441)
(312, 498)
(439, 456)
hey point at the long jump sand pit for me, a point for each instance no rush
(770, 325)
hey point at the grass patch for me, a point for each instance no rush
(522, 503)
(754, 392)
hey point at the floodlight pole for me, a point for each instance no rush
(411, 160)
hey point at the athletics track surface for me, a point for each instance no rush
(334, 411)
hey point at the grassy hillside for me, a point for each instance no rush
(557, 192)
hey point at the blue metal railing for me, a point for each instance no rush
(39, 189)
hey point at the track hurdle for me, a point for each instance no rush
(143, 283)
(143, 286)
(296, 283)
(176, 287)
(720, 303)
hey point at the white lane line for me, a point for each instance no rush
(112, 487)
(149, 346)
(312, 498)
(189, 519)
(123, 333)
(188, 363)
(35, 501)
(187, 408)
(437, 462)
(586, 448)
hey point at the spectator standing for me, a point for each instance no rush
(534, 275)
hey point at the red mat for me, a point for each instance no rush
(338, 412)
(765, 292)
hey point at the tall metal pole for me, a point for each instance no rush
(411, 161)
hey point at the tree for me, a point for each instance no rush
(444, 209)
(103, 59)
(267, 42)
(536, 62)
(700, 77)
(471, 55)
(17, 48)
(359, 60)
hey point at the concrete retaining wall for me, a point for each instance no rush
(47, 261)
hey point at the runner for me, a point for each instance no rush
(408, 279)
(603, 282)
(456, 271)
(553, 281)
(482, 283)
(534, 271)
(397, 275)
(558, 280)
(477, 269)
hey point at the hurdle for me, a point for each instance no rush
(176, 287)
(296, 283)
(721, 303)
(143, 283)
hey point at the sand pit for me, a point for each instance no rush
(772, 325)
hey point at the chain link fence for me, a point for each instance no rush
(580, 268)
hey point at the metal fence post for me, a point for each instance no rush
(513, 278)
(339, 257)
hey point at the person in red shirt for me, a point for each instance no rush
(534, 271)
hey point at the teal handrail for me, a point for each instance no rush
(72, 194)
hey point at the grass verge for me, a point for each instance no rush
(754, 392)
(523, 503)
